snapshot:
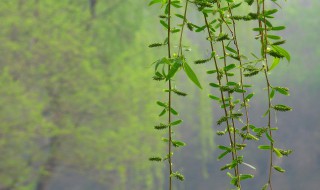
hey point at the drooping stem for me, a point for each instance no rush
(230, 110)
(182, 27)
(169, 99)
(230, 107)
(235, 41)
(231, 139)
(270, 131)
(233, 32)
(264, 43)
(269, 98)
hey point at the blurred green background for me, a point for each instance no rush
(77, 101)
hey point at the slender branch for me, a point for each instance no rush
(265, 34)
(182, 27)
(226, 76)
(235, 41)
(230, 107)
(269, 99)
(232, 141)
(169, 99)
(264, 42)
(231, 111)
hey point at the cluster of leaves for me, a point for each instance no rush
(233, 95)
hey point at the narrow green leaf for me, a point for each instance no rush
(249, 96)
(174, 68)
(279, 169)
(230, 175)
(178, 143)
(224, 148)
(232, 84)
(258, 29)
(233, 6)
(274, 37)
(279, 42)
(269, 137)
(200, 28)
(162, 104)
(179, 92)
(264, 147)
(214, 97)
(211, 71)
(240, 90)
(180, 16)
(154, 2)
(278, 28)
(223, 154)
(174, 112)
(163, 23)
(214, 85)
(176, 122)
(163, 112)
(230, 74)
(174, 30)
(247, 85)
(229, 67)
(246, 176)
(270, 12)
(278, 153)
(275, 63)
(156, 159)
(272, 94)
(227, 166)
(192, 76)
(282, 51)
(176, 4)
(231, 50)
(266, 113)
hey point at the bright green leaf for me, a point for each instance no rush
(192, 76)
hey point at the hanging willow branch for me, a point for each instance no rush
(276, 52)
(220, 24)
(166, 69)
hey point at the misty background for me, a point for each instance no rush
(77, 100)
